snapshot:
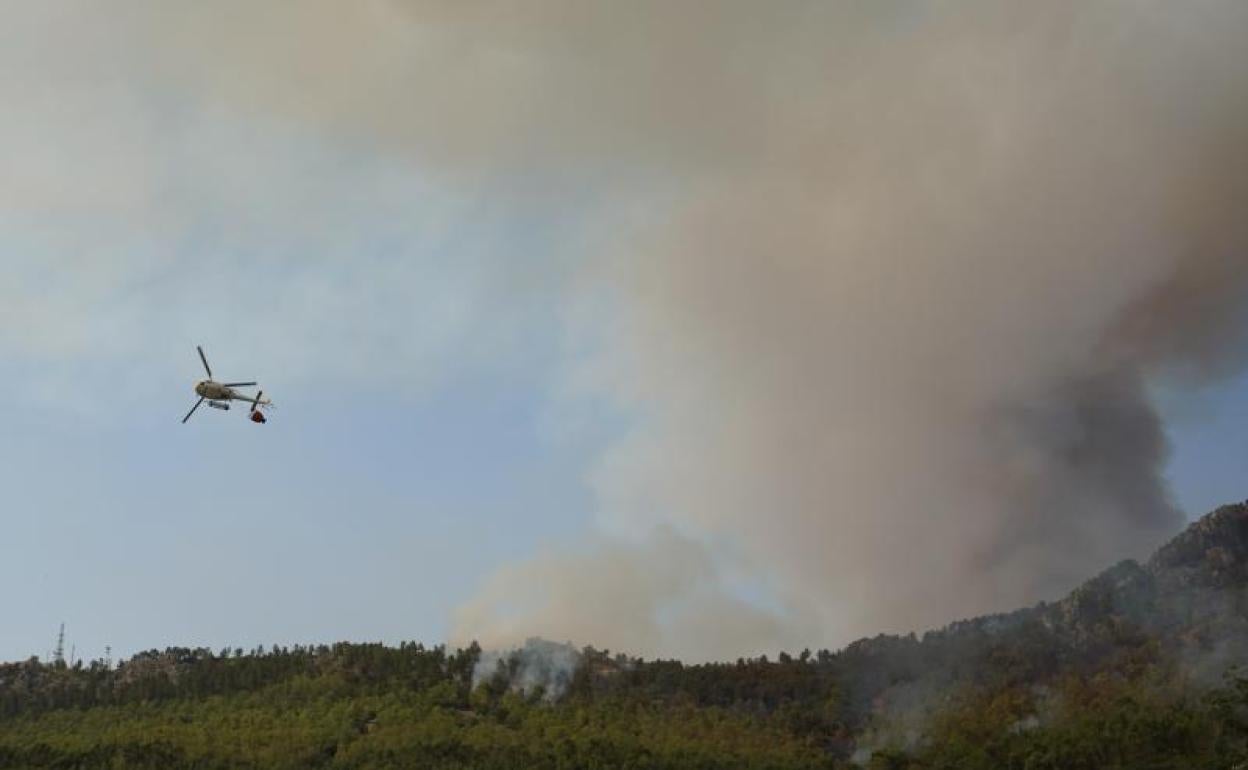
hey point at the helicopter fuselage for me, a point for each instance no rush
(215, 391)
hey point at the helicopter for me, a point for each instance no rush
(220, 394)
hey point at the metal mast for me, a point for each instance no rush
(59, 655)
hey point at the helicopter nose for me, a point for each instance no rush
(199, 387)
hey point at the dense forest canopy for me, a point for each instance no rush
(369, 705)
(1137, 667)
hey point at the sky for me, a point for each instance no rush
(698, 331)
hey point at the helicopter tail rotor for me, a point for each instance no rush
(256, 415)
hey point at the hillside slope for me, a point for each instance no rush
(1185, 611)
(1129, 669)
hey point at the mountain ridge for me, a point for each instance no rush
(1177, 606)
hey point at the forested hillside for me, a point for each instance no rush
(1133, 669)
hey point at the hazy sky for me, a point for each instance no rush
(692, 330)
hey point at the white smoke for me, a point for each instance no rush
(537, 666)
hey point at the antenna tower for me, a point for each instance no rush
(59, 655)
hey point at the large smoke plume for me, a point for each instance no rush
(884, 287)
(893, 337)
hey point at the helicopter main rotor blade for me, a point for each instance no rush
(238, 384)
(203, 358)
(188, 414)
